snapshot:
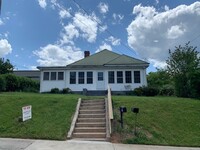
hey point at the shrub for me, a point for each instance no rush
(55, 90)
(12, 83)
(146, 91)
(138, 91)
(66, 91)
(167, 90)
(2, 84)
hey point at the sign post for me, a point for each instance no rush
(26, 113)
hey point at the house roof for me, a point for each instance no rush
(104, 58)
(108, 58)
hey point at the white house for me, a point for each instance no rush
(94, 73)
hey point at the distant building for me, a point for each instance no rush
(94, 73)
(32, 74)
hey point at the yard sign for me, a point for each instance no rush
(26, 112)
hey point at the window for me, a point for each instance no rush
(100, 76)
(81, 77)
(53, 75)
(136, 76)
(46, 76)
(89, 77)
(128, 76)
(111, 77)
(72, 77)
(119, 76)
(60, 75)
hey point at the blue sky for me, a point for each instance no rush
(57, 32)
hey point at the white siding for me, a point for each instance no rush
(48, 84)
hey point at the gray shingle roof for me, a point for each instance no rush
(106, 57)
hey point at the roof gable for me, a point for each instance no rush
(125, 60)
(97, 59)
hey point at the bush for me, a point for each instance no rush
(167, 90)
(66, 91)
(15, 83)
(146, 91)
(55, 91)
(138, 91)
(12, 83)
(2, 84)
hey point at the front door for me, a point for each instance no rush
(100, 81)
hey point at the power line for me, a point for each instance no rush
(110, 33)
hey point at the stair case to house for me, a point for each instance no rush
(91, 121)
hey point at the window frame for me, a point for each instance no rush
(100, 76)
(137, 77)
(72, 79)
(44, 76)
(111, 77)
(59, 77)
(128, 78)
(119, 76)
(53, 76)
(81, 79)
(89, 78)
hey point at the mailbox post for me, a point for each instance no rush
(136, 111)
(122, 110)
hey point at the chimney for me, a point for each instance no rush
(87, 53)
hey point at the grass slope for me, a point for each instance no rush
(51, 115)
(161, 120)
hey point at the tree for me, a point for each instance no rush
(183, 65)
(5, 66)
(159, 78)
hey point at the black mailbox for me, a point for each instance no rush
(122, 109)
(135, 110)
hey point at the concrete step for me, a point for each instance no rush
(93, 101)
(97, 111)
(102, 115)
(90, 129)
(92, 107)
(92, 104)
(89, 135)
(91, 119)
(90, 124)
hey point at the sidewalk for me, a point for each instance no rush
(24, 144)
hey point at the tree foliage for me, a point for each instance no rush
(183, 65)
(5, 66)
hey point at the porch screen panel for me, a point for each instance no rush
(46, 76)
(137, 77)
(128, 76)
(60, 75)
(111, 77)
(89, 77)
(53, 75)
(72, 77)
(81, 76)
(119, 76)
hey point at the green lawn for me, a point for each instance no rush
(161, 120)
(51, 115)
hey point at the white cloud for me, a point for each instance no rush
(64, 13)
(103, 28)
(117, 18)
(70, 32)
(1, 22)
(103, 8)
(104, 46)
(56, 55)
(42, 3)
(5, 47)
(87, 25)
(152, 33)
(114, 41)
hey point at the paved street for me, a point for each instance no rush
(26, 144)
